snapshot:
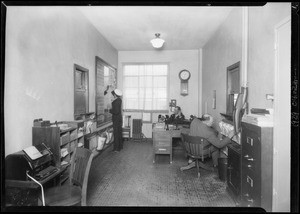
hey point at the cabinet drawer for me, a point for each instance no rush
(161, 136)
(251, 186)
(161, 143)
(162, 150)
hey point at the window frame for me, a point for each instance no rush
(168, 85)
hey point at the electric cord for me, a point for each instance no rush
(43, 197)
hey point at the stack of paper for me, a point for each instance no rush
(259, 120)
(64, 163)
(160, 125)
(64, 152)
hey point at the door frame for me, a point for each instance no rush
(275, 104)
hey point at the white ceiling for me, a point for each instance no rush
(130, 28)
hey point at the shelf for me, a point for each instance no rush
(67, 130)
(64, 178)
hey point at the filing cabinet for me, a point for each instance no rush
(256, 166)
(234, 169)
(162, 143)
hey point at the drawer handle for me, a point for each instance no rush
(249, 181)
(250, 200)
(248, 158)
(250, 141)
(162, 149)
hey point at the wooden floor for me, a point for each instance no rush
(129, 178)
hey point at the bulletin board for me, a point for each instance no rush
(106, 82)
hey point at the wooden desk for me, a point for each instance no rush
(162, 140)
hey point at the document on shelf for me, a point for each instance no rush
(33, 153)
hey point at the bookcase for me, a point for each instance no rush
(62, 144)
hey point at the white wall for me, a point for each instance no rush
(222, 50)
(42, 45)
(262, 21)
(178, 60)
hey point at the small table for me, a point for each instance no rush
(162, 140)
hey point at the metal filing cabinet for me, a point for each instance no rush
(234, 169)
(257, 166)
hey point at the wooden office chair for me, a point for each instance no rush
(75, 192)
(197, 148)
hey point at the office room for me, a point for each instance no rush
(109, 106)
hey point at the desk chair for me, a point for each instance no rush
(75, 192)
(196, 148)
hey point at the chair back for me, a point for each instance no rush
(80, 168)
(196, 147)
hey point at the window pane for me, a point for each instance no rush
(148, 104)
(131, 93)
(131, 82)
(159, 93)
(148, 93)
(148, 82)
(148, 70)
(141, 70)
(160, 70)
(131, 103)
(141, 93)
(161, 104)
(141, 104)
(160, 82)
(142, 81)
(131, 70)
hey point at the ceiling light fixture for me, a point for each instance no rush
(157, 42)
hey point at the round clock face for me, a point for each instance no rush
(184, 75)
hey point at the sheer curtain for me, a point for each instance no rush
(145, 87)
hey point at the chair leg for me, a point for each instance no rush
(197, 163)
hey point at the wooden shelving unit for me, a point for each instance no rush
(61, 142)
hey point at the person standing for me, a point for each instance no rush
(116, 112)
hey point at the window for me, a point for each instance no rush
(145, 87)
(81, 90)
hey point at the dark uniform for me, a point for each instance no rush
(116, 112)
(176, 119)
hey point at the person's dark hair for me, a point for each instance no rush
(178, 107)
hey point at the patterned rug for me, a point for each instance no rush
(129, 178)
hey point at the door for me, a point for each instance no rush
(282, 118)
(80, 90)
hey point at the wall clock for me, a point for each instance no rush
(184, 76)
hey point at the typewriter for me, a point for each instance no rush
(36, 160)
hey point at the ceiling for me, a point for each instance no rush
(130, 28)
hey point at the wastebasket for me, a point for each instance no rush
(222, 168)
